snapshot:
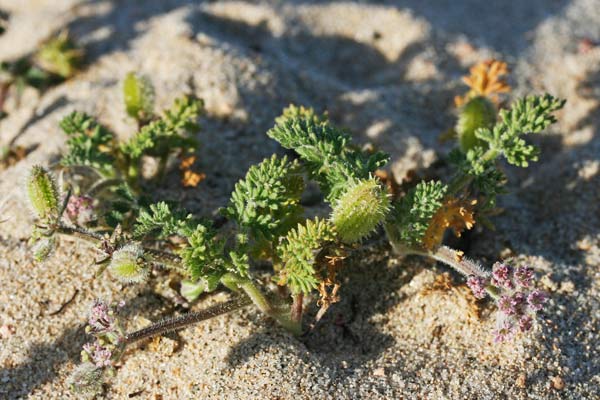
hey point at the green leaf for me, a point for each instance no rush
(172, 132)
(162, 220)
(89, 143)
(299, 251)
(267, 201)
(325, 150)
(203, 256)
(411, 214)
(531, 114)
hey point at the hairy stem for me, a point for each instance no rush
(282, 316)
(167, 260)
(453, 259)
(296, 314)
(183, 321)
(80, 233)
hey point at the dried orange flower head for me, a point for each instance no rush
(455, 213)
(485, 79)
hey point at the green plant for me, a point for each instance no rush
(54, 61)
(268, 223)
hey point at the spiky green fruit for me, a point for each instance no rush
(479, 112)
(360, 209)
(43, 248)
(128, 263)
(43, 194)
(138, 94)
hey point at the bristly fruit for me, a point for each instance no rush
(43, 194)
(128, 263)
(479, 112)
(43, 248)
(360, 209)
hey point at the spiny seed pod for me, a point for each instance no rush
(43, 248)
(479, 112)
(43, 194)
(128, 263)
(87, 380)
(358, 211)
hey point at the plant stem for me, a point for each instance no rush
(79, 232)
(236, 282)
(168, 260)
(452, 258)
(296, 314)
(103, 184)
(183, 321)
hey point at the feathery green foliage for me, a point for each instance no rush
(167, 134)
(325, 150)
(89, 143)
(529, 115)
(411, 215)
(203, 256)
(267, 201)
(162, 221)
(299, 252)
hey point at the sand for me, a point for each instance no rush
(388, 72)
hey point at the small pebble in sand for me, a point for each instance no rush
(379, 372)
(521, 381)
(7, 331)
(557, 382)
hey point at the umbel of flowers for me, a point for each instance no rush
(517, 300)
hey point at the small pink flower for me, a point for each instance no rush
(80, 210)
(537, 299)
(477, 285)
(504, 331)
(525, 323)
(523, 276)
(100, 318)
(502, 275)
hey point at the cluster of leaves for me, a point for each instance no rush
(325, 150)
(118, 164)
(412, 214)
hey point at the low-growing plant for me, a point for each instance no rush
(54, 61)
(268, 219)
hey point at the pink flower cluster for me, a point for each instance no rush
(80, 210)
(517, 301)
(100, 355)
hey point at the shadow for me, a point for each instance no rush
(42, 364)
(483, 23)
(38, 115)
(346, 332)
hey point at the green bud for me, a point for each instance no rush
(360, 209)
(43, 248)
(479, 112)
(138, 93)
(43, 195)
(128, 263)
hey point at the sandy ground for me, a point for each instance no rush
(385, 70)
